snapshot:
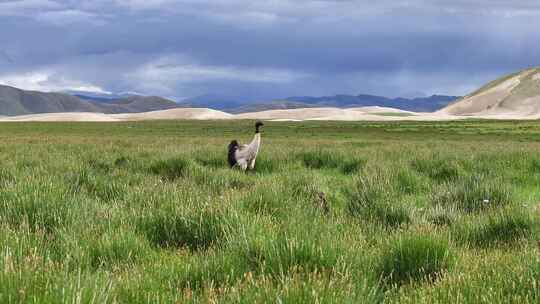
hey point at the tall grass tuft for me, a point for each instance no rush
(322, 159)
(409, 183)
(415, 258)
(37, 207)
(266, 165)
(211, 160)
(474, 193)
(375, 198)
(535, 166)
(352, 166)
(286, 254)
(442, 216)
(7, 178)
(267, 200)
(438, 168)
(171, 169)
(196, 230)
(105, 187)
(499, 228)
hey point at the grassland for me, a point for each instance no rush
(418, 212)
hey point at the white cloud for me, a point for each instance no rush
(66, 17)
(25, 7)
(47, 82)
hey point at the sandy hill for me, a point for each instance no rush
(335, 114)
(178, 113)
(516, 95)
(361, 113)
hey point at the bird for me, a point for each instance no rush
(244, 156)
(323, 203)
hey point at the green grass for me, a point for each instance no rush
(138, 212)
(415, 258)
(474, 193)
(507, 227)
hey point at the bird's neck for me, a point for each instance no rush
(256, 139)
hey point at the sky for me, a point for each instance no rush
(265, 49)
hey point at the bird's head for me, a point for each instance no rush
(258, 124)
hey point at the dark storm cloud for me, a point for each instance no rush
(265, 49)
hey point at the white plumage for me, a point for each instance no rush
(244, 156)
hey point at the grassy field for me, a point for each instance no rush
(442, 212)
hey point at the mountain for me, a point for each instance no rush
(270, 105)
(216, 101)
(98, 96)
(135, 104)
(514, 94)
(14, 101)
(421, 104)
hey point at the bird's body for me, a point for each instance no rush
(244, 156)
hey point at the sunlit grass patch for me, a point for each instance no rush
(102, 186)
(117, 249)
(415, 258)
(495, 277)
(212, 160)
(473, 193)
(107, 248)
(438, 168)
(375, 198)
(221, 180)
(39, 207)
(323, 159)
(267, 165)
(171, 169)
(304, 185)
(267, 200)
(408, 182)
(7, 178)
(285, 254)
(191, 229)
(306, 288)
(442, 216)
(150, 212)
(499, 228)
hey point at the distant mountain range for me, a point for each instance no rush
(231, 105)
(15, 101)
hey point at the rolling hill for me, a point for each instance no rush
(517, 94)
(135, 104)
(15, 101)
